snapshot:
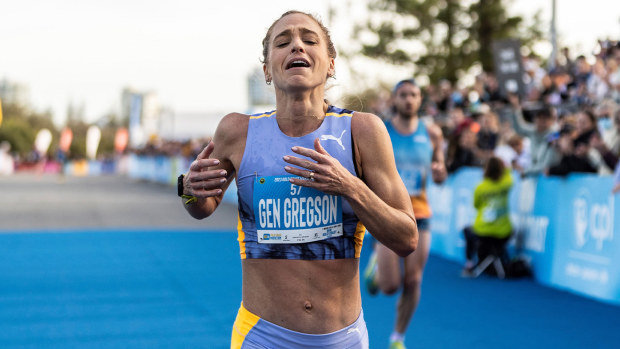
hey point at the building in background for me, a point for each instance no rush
(148, 120)
(142, 109)
(188, 125)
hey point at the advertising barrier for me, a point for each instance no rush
(564, 227)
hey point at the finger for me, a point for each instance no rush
(318, 147)
(200, 164)
(298, 171)
(311, 153)
(208, 175)
(199, 187)
(307, 164)
(437, 166)
(207, 193)
(206, 152)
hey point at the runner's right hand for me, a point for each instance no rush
(201, 181)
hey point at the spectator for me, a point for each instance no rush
(540, 134)
(606, 149)
(492, 89)
(462, 148)
(604, 159)
(582, 71)
(455, 118)
(574, 154)
(597, 83)
(513, 153)
(533, 76)
(568, 64)
(616, 187)
(588, 136)
(613, 78)
(443, 99)
(492, 226)
(489, 132)
(611, 137)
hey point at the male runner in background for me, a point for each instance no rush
(418, 152)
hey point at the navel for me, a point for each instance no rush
(308, 306)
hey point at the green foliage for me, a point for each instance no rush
(455, 35)
(19, 134)
(77, 150)
(20, 126)
(78, 146)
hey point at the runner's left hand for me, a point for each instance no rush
(325, 173)
(438, 171)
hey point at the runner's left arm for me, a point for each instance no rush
(438, 164)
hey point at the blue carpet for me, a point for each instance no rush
(166, 289)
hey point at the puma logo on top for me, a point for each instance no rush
(354, 329)
(333, 138)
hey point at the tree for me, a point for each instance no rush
(491, 22)
(20, 127)
(441, 39)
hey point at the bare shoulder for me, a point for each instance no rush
(230, 136)
(233, 125)
(373, 146)
(367, 125)
(433, 129)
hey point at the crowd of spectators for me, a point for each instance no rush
(161, 147)
(568, 119)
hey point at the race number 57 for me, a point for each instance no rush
(295, 189)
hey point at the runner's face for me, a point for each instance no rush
(407, 100)
(298, 55)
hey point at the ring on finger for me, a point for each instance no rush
(311, 175)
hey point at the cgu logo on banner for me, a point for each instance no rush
(593, 221)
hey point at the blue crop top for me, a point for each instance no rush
(279, 220)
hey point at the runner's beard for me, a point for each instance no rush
(407, 115)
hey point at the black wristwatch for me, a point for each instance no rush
(180, 185)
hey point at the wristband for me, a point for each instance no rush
(190, 199)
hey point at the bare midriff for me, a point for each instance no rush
(314, 297)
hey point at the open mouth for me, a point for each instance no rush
(298, 63)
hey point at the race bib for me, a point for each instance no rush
(286, 213)
(489, 214)
(412, 178)
(493, 210)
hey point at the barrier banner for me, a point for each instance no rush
(587, 252)
(453, 210)
(537, 212)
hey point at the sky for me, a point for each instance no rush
(194, 54)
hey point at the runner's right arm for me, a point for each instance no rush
(214, 168)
